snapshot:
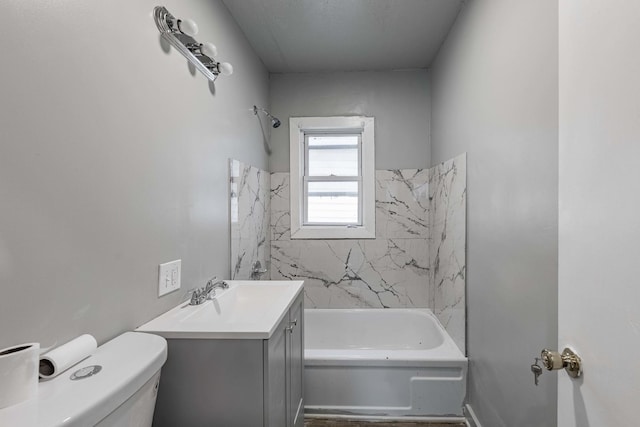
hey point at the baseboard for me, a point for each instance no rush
(472, 419)
(443, 420)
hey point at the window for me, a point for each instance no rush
(332, 177)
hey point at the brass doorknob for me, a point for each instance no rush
(571, 362)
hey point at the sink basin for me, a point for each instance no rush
(246, 310)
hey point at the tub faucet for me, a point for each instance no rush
(200, 295)
(257, 271)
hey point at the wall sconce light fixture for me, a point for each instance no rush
(180, 34)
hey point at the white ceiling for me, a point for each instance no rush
(344, 35)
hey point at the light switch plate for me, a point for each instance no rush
(169, 277)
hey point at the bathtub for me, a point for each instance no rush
(381, 363)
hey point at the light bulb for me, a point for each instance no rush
(226, 69)
(209, 49)
(188, 27)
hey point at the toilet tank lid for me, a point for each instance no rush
(127, 361)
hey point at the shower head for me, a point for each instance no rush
(275, 122)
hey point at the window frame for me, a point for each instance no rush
(299, 129)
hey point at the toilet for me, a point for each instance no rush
(115, 386)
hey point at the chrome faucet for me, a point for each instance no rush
(212, 285)
(200, 295)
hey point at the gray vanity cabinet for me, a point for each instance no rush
(284, 364)
(235, 382)
(296, 364)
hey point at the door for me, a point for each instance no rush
(599, 228)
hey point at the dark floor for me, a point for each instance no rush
(352, 423)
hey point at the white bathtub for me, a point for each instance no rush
(392, 363)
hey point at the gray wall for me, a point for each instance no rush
(113, 159)
(399, 101)
(495, 96)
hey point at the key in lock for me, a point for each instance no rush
(537, 371)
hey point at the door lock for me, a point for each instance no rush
(537, 371)
(571, 362)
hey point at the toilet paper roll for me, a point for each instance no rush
(58, 360)
(18, 373)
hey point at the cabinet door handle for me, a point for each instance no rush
(295, 322)
(289, 329)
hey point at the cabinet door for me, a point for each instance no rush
(296, 364)
(276, 367)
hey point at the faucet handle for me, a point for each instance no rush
(195, 296)
(257, 270)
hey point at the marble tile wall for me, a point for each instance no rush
(389, 271)
(249, 213)
(447, 245)
(416, 260)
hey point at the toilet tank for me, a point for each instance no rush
(115, 386)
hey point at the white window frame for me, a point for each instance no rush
(363, 126)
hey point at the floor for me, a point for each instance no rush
(347, 423)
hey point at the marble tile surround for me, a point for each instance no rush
(416, 260)
(388, 271)
(280, 210)
(249, 214)
(355, 273)
(402, 203)
(447, 245)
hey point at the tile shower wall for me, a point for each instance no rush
(391, 270)
(447, 245)
(416, 260)
(249, 214)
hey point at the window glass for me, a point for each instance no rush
(333, 155)
(337, 162)
(332, 202)
(323, 140)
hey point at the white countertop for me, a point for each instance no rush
(246, 310)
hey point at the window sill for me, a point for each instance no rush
(328, 232)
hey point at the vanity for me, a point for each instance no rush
(234, 360)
